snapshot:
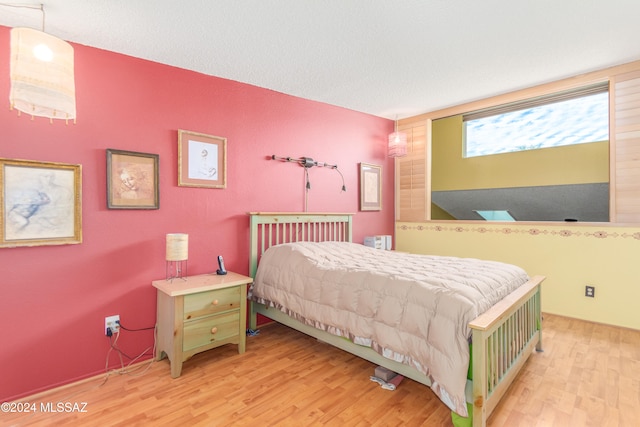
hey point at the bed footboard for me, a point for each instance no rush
(503, 338)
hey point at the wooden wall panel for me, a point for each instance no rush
(626, 156)
(412, 177)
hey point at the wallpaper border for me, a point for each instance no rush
(533, 231)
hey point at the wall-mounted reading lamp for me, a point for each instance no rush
(307, 163)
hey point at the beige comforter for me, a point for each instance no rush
(414, 309)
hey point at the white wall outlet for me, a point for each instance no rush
(113, 323)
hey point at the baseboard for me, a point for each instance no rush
(81, 381)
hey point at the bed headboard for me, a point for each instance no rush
(273, 228)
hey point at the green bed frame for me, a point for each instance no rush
(503, 337)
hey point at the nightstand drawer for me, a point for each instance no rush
(211, 302)
(210, 330)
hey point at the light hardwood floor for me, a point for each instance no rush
(588, 375)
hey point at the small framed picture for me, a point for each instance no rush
(132, 180)
(202, 160)
(40, 203)
(370, 187)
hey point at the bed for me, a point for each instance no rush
(503, 330)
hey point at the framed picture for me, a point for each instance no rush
(40, 203)
(202, 160)
(132, 180)
(370, 187)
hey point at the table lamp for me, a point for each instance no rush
(177, 255)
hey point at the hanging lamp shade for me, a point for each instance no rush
(397, 144)
(41, 73)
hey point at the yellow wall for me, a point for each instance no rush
(605, 256)
(572, 164)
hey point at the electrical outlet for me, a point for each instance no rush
(113, 323)
(590, 291)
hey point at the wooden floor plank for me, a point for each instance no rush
(588, 375)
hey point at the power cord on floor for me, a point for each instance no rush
(125, 369)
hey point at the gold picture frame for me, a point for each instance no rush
(40, 203)
(370, 187)
(132, 180)
(202, 160)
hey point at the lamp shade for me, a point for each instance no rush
(177, 247)
(41, 73)
(397, 144)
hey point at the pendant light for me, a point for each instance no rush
(397, 142)
(42, 74)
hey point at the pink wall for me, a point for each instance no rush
(53, 299)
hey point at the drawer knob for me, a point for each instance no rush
(214, 330)
(215, 302)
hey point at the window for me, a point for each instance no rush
(574, 117)
(495, 215)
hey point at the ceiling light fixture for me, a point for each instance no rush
(41, 73)
(397, 142)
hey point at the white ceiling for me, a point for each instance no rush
(382, 57)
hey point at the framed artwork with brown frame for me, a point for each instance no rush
(132, 180)
(40, 203)
(370, 187)
(202, 160)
